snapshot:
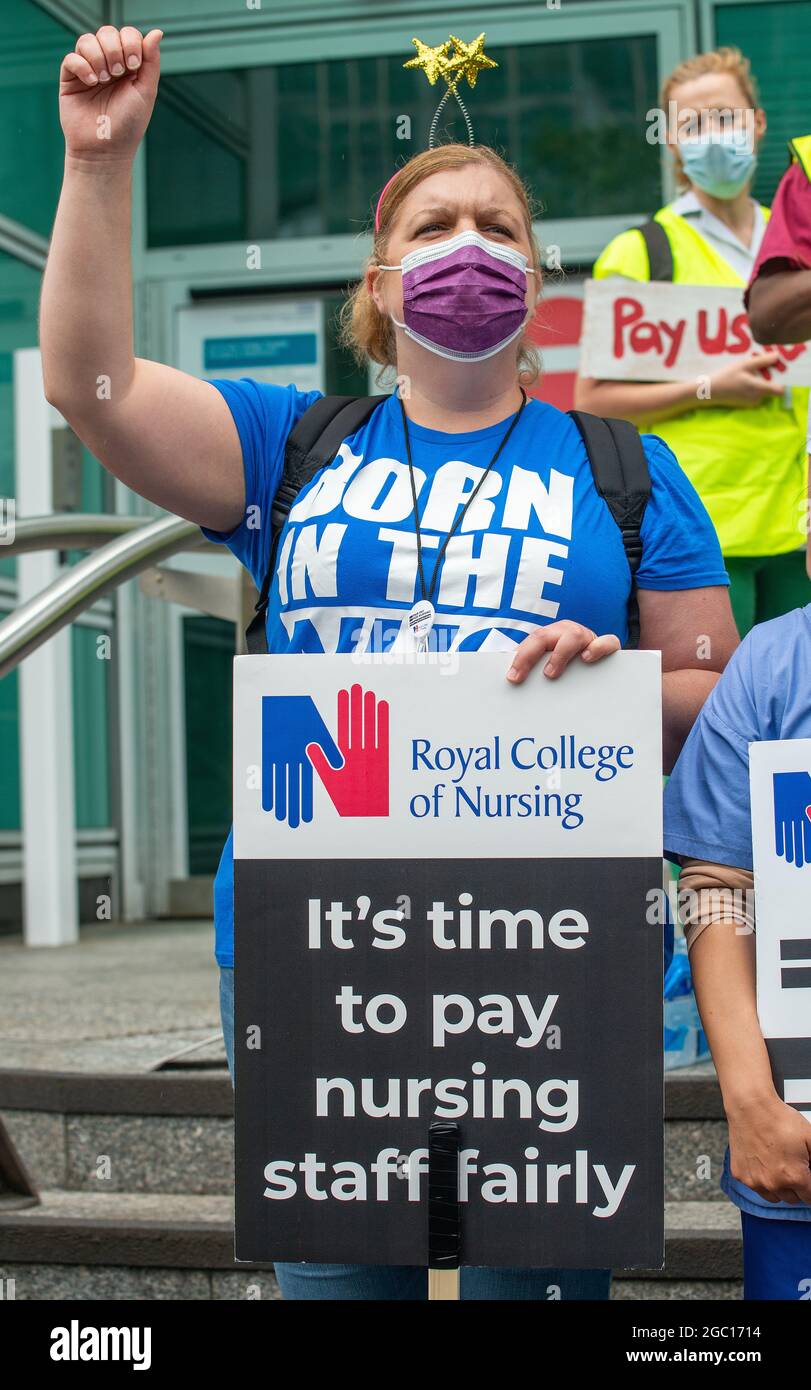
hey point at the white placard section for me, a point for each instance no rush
(421, 757)
(655, 331)
(780, 781)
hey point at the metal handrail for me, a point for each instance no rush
(138, 549)
(73, 531)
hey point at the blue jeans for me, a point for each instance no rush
(314, 1281)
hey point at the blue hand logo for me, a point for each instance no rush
(289, 724)
(792, 817)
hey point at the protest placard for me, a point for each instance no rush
(656, 331)
(780, 781)
(441, 884)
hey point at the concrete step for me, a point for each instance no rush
(138, 1245)
(698, 1290)
(169, 1132)
(91, 1246)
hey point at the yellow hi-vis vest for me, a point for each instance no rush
(800, 150)
(747, 463)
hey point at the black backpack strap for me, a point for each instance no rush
(622, 478)
(312, 443)
(660, 252)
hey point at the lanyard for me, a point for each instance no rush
(421, 617)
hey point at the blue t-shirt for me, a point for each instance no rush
(763, 695)
(537, 544)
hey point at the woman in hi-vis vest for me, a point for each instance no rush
(743, 447)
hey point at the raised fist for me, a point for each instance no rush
(107, 89)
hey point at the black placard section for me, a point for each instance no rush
(791, 1061)
(575, 1168)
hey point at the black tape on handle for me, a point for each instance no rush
(444, 1218)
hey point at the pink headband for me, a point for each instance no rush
(382, 196)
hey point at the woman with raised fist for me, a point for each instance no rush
(494, 492)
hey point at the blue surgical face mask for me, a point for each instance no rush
(721, 163)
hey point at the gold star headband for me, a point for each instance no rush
(452, 61)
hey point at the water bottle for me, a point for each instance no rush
(685, 1039)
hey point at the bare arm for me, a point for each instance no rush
(695, 631)
(770, 1143)
(167, 435)
(638, 401)
(645, 402)
(780, 307)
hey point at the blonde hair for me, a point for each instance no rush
(363, 329)
(727, 59)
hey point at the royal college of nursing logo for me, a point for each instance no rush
(792, 817)
(354, 769)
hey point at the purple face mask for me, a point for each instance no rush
(463, 298)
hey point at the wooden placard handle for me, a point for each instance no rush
(443, 1283)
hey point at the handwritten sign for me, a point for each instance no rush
(652, 331)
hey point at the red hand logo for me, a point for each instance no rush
(361, 786)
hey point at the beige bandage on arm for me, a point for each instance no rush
(710, 893)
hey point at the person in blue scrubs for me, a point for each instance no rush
(764, 694)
